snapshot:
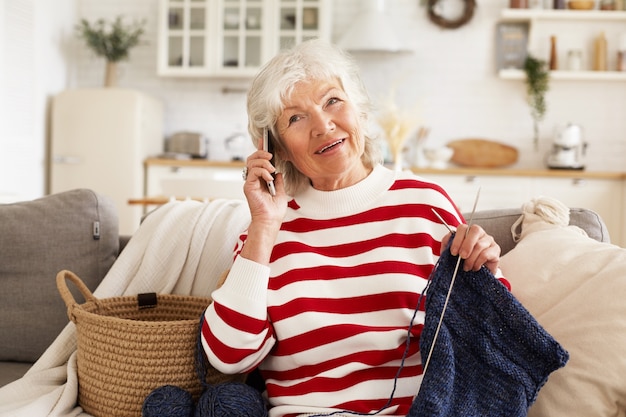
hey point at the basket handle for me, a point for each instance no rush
(67, 296)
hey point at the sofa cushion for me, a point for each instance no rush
(38, 239)
(575, 287)
(498, 224)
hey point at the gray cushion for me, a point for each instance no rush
(10, 371)
(38, 239)
(498, 224)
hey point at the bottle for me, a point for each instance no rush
(599, 53)
(554, 63)
(621, 53)
(518, 4)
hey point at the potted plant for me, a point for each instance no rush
(112, 41)
(537, 84)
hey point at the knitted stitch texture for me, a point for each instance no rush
(491, 356)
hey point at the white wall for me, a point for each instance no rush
(34, 65)
(195, 104)
(450, 76)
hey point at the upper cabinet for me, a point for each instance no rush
(574, 33)
(233, 38)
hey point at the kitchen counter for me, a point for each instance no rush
(527, 172)
(452, 170)
(193, 163)
(603, 191)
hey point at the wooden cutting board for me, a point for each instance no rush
(482, 153)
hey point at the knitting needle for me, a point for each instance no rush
(442, 220)
(456, 270)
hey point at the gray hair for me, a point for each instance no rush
(311, 60)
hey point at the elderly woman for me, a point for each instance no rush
(327, 277)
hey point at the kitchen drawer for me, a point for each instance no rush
(600, 195)
(496, 192)
(194, 182)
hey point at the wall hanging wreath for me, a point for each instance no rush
(435, 15)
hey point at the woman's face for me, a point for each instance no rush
(322, 137)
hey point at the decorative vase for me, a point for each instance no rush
(110, 74)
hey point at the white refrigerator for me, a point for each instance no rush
(99, 140)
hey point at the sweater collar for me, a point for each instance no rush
(351, 199)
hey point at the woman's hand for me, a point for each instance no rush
(475, 247)
(267, 211)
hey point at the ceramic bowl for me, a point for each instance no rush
(439, 157)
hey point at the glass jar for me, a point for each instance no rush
(607, 4)
(575, 60)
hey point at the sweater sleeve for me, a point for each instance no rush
(236, 333)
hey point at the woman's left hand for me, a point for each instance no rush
(475, 247)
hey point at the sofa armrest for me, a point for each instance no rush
(498, 224)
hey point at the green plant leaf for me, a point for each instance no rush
(111, 40)
(537, 84)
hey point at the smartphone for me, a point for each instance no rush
(268, 146)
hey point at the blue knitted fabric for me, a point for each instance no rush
(491, 356)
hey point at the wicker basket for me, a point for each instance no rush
(126, 351)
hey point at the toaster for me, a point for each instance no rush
(191, 143)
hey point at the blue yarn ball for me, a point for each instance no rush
(231, 399)
(169, 401)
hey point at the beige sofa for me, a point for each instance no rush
(77, 230)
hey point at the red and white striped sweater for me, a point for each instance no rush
(327, 322)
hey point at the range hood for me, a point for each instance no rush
(372, 31)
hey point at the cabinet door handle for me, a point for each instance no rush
(471, 179)
(67, 159)
(579, 182)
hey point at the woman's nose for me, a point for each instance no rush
(322, 124)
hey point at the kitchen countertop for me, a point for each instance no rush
(193, 163)
(452, 170)
(523, 172)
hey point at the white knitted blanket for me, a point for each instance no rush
(181, 248)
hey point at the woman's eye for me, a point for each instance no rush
(333, 100)
(294, 119)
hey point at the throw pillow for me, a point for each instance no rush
(576, 288)
(75, 230)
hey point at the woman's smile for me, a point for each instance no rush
(331, 146)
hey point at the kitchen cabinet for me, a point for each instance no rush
(198, 179)
(574, 30)
(233, 38)
(602, 194)
(496, 192)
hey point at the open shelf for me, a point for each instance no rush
(537, 20)
(515, 74)
(538, 14)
